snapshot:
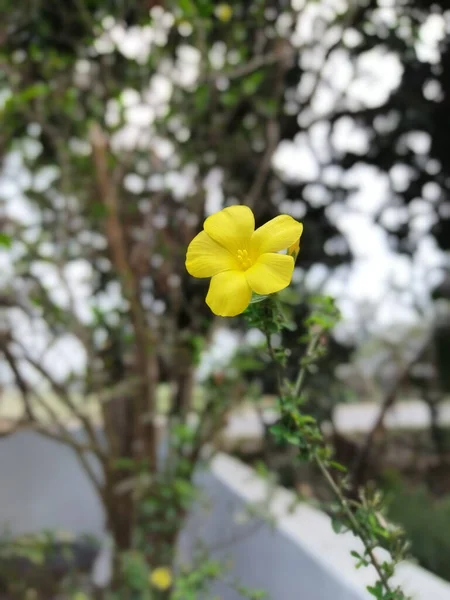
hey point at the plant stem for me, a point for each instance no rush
(312, 345)
(354, 523)
(357, 529)
(275, 361)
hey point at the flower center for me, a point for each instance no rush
(244, 259)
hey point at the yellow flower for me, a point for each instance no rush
(161, 578)
(224, 12)
(241, 260)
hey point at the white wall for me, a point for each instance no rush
(43, 486)
(264, 557)
(301, 558)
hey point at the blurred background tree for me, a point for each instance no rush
(125, 124)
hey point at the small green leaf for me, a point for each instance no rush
(257, 298)
(124, 463)
(204, 7)
(336, 525)
(5, 240)
(338, 466)
(187, 7)
(251, 83)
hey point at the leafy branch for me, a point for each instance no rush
(361, 516)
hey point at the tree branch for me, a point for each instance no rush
(145, 342)
(360, 462)
(20, 381)
(284, 56)
(62, 394)
(60, 433)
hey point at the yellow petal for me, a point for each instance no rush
(271, 273)
(275, 235)
(231, 227)
(206, 258)
(229, 293)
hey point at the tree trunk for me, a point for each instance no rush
(184, 388)
(183, 378)
(121, 517)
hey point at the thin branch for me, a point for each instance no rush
(20, 381)
(81, 450)
(360, 461)
(257, 62)
(76, 325)
(313, 342)
(62, 434)
(62, 394)
(355, 526)
(357, 529)
(284, 55)
(275, 361)
(59, 430)
(145, 342)
(272, 139)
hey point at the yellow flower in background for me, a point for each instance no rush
(161, 578)
(241, 260)
(224, 12)
(79, 596)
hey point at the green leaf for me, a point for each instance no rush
(362, 562)
(97, 210)
(124, 463)
(187, 7)
(257, 298)
(277, 431)
(336, 525)
(229, 98)
(205, 7)
(251, 83)
(268, 108)
(376, 590)
(201, 98)
(338, 466)
(5, 240)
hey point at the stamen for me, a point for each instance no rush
(244, 259)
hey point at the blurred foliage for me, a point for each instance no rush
(322, 393)
(425, 520)
(51, 67)
(65, 75)
(39, 566)
(297, 428)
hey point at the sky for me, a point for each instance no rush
(388, 283)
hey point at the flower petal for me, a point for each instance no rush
(275, 235)
(229, 293)
(231, 227)
(271, 273)
(206, 258)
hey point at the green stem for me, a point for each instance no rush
(275, 361)
(354, 523)
(313, 342)
(357, 529)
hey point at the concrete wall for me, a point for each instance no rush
(299, 558)
(42, 486)
(262, 556)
